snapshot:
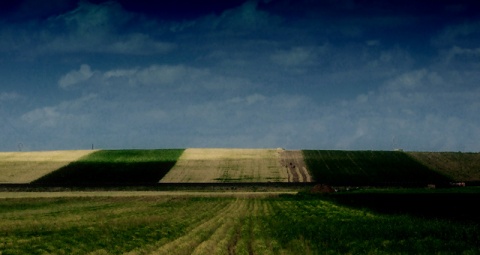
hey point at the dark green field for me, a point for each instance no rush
(369, 168)
(114, 167)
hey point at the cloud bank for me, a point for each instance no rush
(292, 74)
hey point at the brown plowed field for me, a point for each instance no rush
(25, 167)
(293, 162)
(462, 167)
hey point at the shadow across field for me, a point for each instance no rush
(112, 167)
(370, 168)
(448, 205)
(93, 174)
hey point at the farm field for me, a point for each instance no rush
(25, 167)
(114, 167)
(388, 168)
(296, 168)
(460, 167)
(273, 219)
(273, 224)
(197, 165)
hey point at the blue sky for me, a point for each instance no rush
(351, 75)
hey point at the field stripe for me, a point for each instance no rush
(25, 167)
(294, 165)
(218, 243)
(237, 228)
(197, 165)
(188, 242)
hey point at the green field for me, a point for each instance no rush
(369, 168)
(285, 224)
(459, 166)
(114, 167)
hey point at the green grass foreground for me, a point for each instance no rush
(388, 168)
(286, 224)
(115, 167)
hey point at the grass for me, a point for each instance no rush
(114, 167)
(285, 224)
(329, 227)
(369, 168)
(454, 204)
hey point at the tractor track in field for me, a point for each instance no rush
(294, 165)
(210, 165)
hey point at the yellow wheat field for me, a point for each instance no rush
(25, 167)
(198, 165)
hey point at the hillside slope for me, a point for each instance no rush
(200, 165)
(211, 165)
(25, 167)
(369, 168)
(114, 167)
(460, 167)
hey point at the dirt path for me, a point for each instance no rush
(295, 166)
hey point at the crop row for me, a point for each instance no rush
(289, 224)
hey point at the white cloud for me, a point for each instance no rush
(174, 77)
(154, 115)
(9, 96)
(90, 28)
(43, 117)
(461, 58)
(294, 57)
(139, 44)
(458, 34)
(154, 80)
(241, 78)
(245, 17)
(73, 113)
(117, 73)
(163, 74)
(372, 43)
(409, 80)
(421, 80)
(425, 108)
(76, 76)
(248, 100)
(255, 98)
